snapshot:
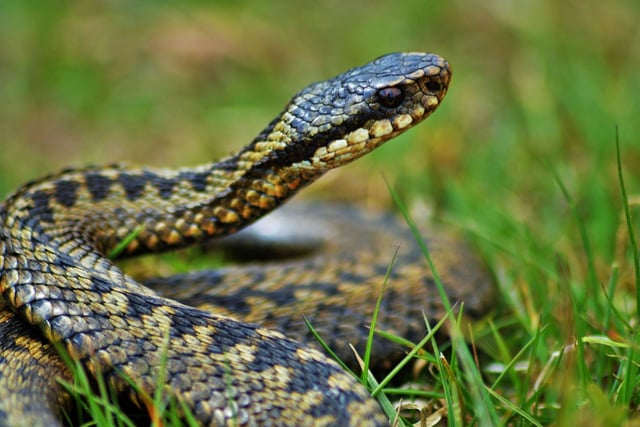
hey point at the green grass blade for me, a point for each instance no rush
(507, 404)
(382, 398)
(577, 301)
(627, 215)
(93, 398)
(630, 377)
(508, 367)
(120, 247)
(421, 243)
(483, 408)
(406, 343)
(374, 317)
(409, 356)
(326, 347)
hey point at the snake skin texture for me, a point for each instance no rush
(57, 287)
(327, 262)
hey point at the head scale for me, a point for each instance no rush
(333, 122)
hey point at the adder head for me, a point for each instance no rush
(333, 122)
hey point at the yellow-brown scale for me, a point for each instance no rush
(288, 277)
(54, 277)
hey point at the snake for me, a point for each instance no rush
(223, 343)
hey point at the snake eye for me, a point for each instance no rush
(433, 86)
(390, 97)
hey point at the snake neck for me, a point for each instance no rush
(154, 208)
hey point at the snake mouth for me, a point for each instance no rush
(364, 139)
(373, 133)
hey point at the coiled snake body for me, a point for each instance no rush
(57, 286)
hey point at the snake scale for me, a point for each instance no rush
(57, 287)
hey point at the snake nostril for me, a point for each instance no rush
(433, 86)
(390, 97)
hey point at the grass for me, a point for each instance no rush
(532, 155)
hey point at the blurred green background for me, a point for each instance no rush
(539, 88)
(175, 83)
(184, 82)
